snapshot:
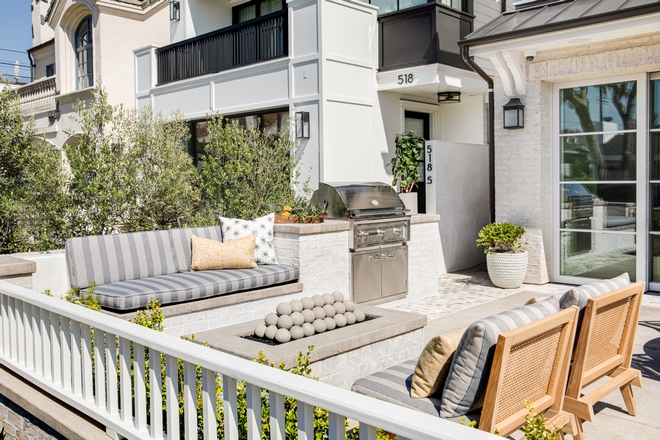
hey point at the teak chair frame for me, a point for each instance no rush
(604, 348)
(531, 363)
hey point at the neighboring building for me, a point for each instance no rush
(583, 174)
(76, 42)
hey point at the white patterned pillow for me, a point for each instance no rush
(233, 228)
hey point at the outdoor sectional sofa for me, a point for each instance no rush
(127, 270)
(485, 385)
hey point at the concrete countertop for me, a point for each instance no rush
(10, 266)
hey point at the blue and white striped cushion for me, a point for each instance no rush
(188, 286)
(106, 259)
(181, 243)
(578, 296)
(470, 368)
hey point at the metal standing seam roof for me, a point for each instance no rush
(559, 15)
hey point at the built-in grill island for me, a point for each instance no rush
(378, 236)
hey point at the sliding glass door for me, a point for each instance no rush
(654, 183)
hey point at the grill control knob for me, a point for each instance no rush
(396, 231)
(361, 235)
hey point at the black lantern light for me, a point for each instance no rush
(302, 125)
(514, 114)
(449, 97)
(175, 10)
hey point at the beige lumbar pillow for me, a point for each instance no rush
(212, 254)
(434, 362)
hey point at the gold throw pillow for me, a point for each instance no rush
(434, 362)
(212, 254)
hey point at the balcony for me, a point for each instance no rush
(422, 35)
(253, 41)
(38, 94)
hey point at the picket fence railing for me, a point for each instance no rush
(101, 366)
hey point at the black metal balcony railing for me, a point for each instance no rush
(261, 39)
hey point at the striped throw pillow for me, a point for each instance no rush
(470, 368)
(578, 296)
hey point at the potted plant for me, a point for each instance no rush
(301, 211)
(505, 258)
(405, 167)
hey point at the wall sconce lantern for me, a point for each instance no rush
(302, 125)
(514, 114)
(175, 10)
(449, 97)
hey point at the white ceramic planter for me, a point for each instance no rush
(410, 200)
(507, 270)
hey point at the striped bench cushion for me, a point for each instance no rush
(187, 286)
(393, 385)
(104, 259)
(181, 243)
(470, 368)
(578, 296)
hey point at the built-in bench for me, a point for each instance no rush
(125, 271)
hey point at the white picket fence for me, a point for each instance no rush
(62, 348)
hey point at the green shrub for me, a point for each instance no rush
(501, 237)
(535, 426)
(246, 173)
(405, 163)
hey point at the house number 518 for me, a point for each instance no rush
(405, 79)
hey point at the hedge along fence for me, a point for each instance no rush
(129, 171)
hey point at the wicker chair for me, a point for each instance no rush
(604, 348)
(531, 363)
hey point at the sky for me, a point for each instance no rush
(15, 35)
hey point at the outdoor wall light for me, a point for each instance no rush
(175, 10)
(449, 97)
(514, 114)
(302, 125)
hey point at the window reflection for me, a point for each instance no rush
(655, 104)
(606, 107)
(597, 254)
(609, 156)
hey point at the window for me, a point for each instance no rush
(50, 69)
(84, 59)
(387, 6)
(256, 8)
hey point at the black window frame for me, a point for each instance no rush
(235, 10)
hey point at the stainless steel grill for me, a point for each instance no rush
(378, 236)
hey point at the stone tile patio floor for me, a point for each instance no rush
(471, 287)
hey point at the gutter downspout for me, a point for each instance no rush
(33, 66)
(465, 52)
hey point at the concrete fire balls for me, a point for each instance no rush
(340, 308)
(350, 305)
(297, 332)
(318, 301)
(350, 318)
(308, 315)
(319, 326)
(319, 313)
(328, 298)
(308, 328)
(271, 319)
(340, 320)
(359, 315)
(308, 303)
(270, 331)
(284, 322)
(296, 305)
(297, 318)
(330, 323)
(339, 297)
(329, 310)
(283, 309)
(283, 335)
(260, 330)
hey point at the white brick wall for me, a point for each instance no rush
(523, 158)
(344, 369)
(424, 258)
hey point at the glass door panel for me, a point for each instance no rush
(598, 180)
(654, 185)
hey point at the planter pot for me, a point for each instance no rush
(296, 219)
(507, 270)
(410, 200)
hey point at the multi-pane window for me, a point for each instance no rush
(387, 6)
(256, 8)
(84, 58)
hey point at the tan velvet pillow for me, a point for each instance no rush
(434, 362)
(212, 254)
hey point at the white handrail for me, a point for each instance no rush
(25, 312)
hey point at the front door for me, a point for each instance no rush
(419, 123)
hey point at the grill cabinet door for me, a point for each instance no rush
(366, 275)
(395, 270)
